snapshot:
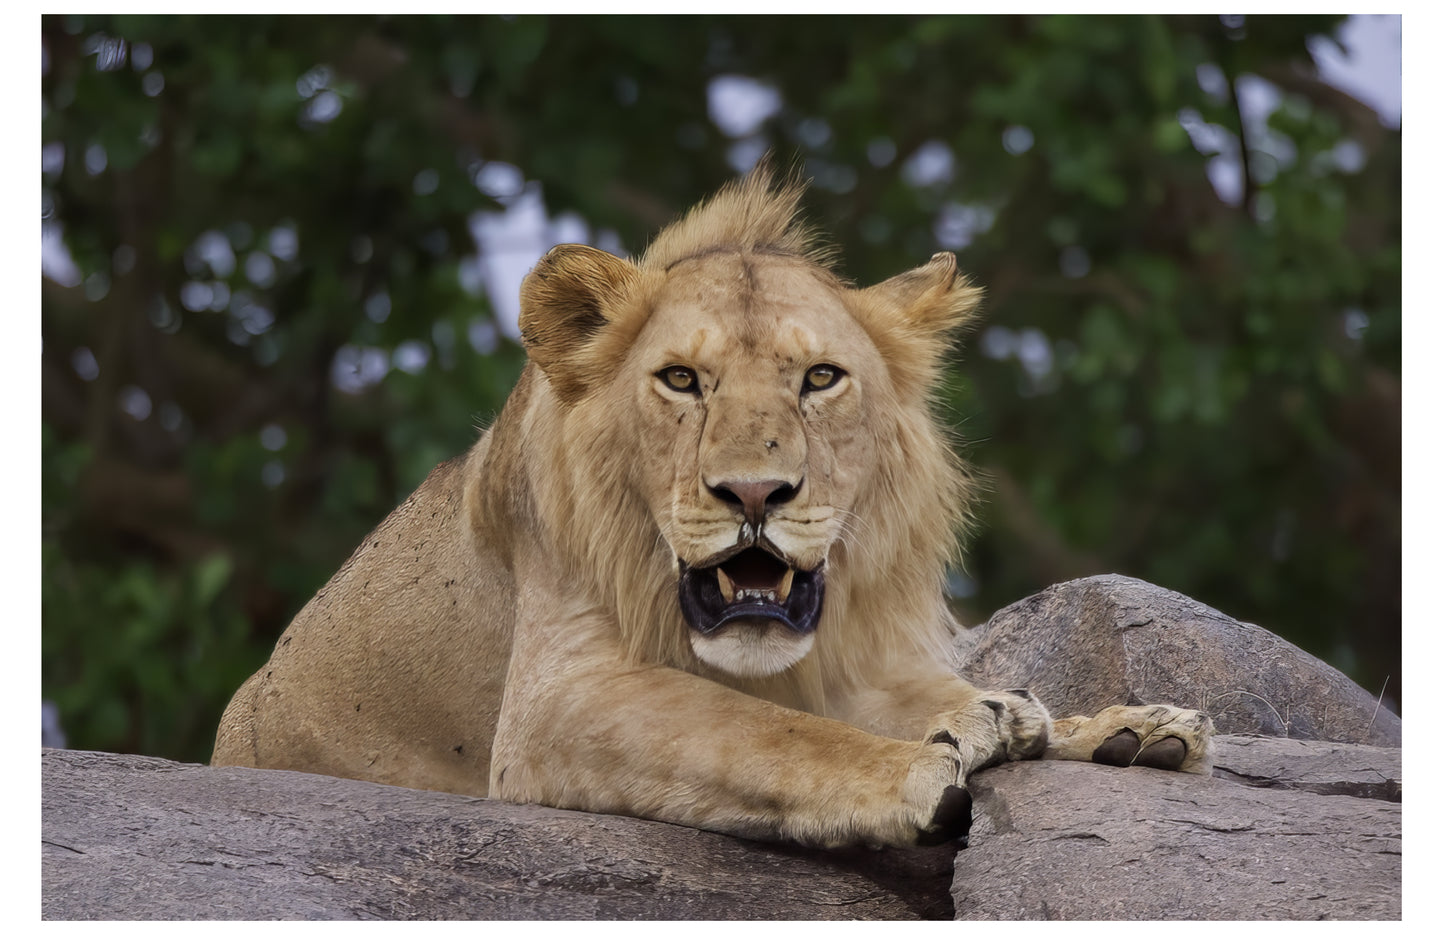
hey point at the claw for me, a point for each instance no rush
(951, 819)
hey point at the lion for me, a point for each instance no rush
(694, 572)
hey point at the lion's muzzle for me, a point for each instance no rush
(750, 585)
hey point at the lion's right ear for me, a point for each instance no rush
(572, 293)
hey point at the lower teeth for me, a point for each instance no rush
(731, 593)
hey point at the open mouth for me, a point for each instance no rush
(751, 584)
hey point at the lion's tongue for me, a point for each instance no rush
(754, 575)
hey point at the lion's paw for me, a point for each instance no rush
(940, 805)
(1157, 736)
(993, 727)
(1023, 723)
(996, 726)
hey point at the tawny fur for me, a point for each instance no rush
(514, 629)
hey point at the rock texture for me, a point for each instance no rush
(1293, 824)
(1084, 645)
(1310, 766)
(129, 837)
(1074, 841)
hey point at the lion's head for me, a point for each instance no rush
(740, 456)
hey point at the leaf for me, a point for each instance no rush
(210, 576)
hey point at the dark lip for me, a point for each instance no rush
(706, 612)
(761, 542)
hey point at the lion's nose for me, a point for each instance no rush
(756, 497)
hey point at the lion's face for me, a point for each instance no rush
(738, 434)
(751, 385)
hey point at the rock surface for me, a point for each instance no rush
(1293, 824)
(1305, 830)
(130, 837)
(1075, 841)
(1310, 766)
(1086, 644)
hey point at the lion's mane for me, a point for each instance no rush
(886, 573)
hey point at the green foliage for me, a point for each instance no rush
(128, 650)
(270, 343)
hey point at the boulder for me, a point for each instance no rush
(1285, 830)
(132, 837)
(1307, 830)
(1086, 644)
(1294, 824)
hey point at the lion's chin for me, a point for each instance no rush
(750, 614)
(752, 647)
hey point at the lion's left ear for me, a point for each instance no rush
(932, 300)
(912, 317)
(568, 298)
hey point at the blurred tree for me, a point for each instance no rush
(273, 326)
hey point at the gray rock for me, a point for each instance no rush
(1062, 840)
(129, 837)
(1310, 766)
(126, 837)
(1289, 827)
(1086, 644)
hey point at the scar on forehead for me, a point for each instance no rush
(760, 249)
(696, 340)
(803, 341)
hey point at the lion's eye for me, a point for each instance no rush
(821, 377)
(681, 379)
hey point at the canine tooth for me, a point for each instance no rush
(725, 584)
(786, 587)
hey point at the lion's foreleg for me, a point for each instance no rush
(663, 744)
(993, 726)
(580, 728)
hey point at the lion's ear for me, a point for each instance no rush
(932, 300)
(912, 316)
(567, 299)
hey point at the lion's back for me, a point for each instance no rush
(393, 672)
